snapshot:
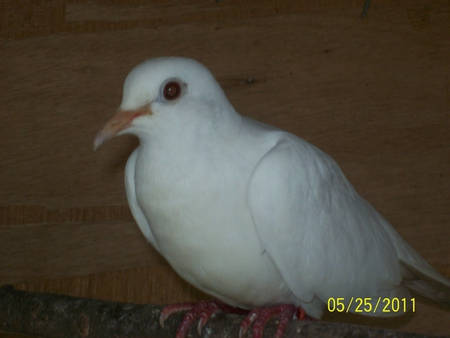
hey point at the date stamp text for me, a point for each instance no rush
(371, 305)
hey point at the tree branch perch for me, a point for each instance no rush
(58, 316)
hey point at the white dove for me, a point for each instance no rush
(252, 215)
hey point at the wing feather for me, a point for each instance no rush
(324, 238)
(130, 187)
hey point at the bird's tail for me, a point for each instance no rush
(423, 280)
(419, 277)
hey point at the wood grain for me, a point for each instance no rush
(374, 93)
(44, 17)
(49, 251)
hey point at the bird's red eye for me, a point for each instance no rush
(172, 90)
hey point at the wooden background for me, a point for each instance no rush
(374, 93)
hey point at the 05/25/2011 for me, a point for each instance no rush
(371, 305)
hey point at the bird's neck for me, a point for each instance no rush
(191, 132)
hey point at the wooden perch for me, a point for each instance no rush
(49, 315)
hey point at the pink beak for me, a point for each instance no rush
(120, 121)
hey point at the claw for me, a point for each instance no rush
(210, 310)
(260, 316)
(189, 318)
(174, 308)
(286, 316)
(202, 310)
(248, 320)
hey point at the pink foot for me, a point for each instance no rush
(169, 310)
(202, 310)
(260, 317)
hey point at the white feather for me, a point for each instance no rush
(251, 214)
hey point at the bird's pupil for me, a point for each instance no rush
(172, 91)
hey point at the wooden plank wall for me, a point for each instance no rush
(374, 93)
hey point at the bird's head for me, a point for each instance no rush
(160, 88)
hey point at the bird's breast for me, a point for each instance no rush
(197, 210)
